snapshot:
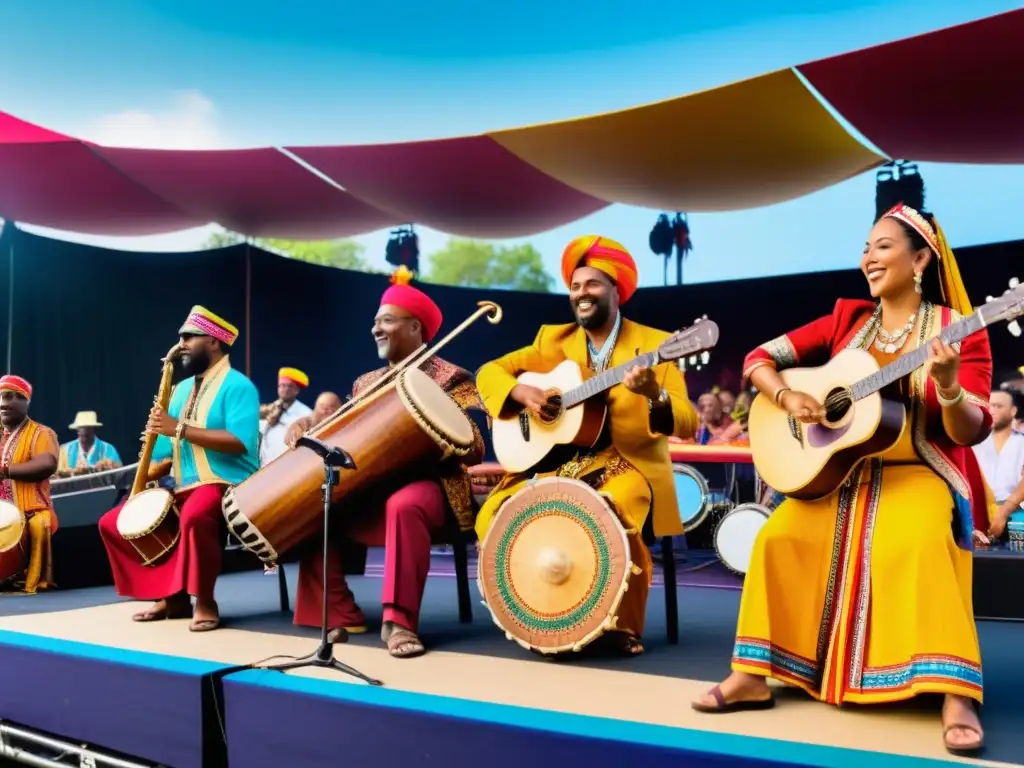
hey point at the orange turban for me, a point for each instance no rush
(604, 254)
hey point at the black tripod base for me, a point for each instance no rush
(323, 658)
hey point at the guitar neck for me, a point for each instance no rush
(606, 380)
(907, 364)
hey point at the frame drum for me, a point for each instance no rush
(691, 495)
(736, 534)
(554, 566)
(149, 520)
(13, 541)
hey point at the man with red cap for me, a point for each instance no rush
(28, 458)
(404, 517)
(630, 462)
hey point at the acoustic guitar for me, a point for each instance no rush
(578, 414)
(811, 461)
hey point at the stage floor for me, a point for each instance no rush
(475, 663)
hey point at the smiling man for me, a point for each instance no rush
(408, 508)
(630, 462)
(207, 439)
(28, 457)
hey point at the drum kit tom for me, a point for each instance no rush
(736, 527)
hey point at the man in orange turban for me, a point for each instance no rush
(630, 460)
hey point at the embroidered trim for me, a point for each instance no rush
(862, 602)
(924, 667)
(782, 351)
(765, 655)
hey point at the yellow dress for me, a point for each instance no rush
(864, 597)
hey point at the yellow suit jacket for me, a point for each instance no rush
(628, 413)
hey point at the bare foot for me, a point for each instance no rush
(961, 728)
(207, 616)
(738, 691)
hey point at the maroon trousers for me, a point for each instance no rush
(403, 527)
(192, 566)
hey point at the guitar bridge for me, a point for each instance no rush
(524, 425)
(796, 430)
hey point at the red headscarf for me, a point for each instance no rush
(17, 384)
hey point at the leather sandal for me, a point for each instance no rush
(204, 625)
(963, 750)
(723, 707)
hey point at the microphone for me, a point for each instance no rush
(333, 457)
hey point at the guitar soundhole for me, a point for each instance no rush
(549, 413)
(837, 404)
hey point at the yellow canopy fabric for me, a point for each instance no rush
(753, 143)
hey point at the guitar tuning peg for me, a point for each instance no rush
(705, 357)
(1014, 282)
(1014, 329)
(705, 317)
(989, 299)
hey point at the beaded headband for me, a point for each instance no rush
(919, 223)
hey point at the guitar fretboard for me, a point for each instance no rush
(910, 362)
(606, 380)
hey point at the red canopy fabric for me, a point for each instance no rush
(955, 96)
(259, 192)
(470, 185)
(52, 180)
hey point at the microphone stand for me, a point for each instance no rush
(334, 458)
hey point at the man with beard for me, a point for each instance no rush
(207, 439)
(28, 457)
(403, 513)
(630, 462)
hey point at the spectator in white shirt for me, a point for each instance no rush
(277, 417)
(1001, 457)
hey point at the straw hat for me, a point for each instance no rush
(85, 419)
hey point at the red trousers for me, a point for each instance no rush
(404, 529)
(192, 566)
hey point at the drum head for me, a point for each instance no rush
(554, 566)
(437, 407)
(691, 495)
(736, 534)
(143, 511)
(12, 525)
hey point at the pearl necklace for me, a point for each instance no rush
(891, 343)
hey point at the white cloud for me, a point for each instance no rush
(189, 123)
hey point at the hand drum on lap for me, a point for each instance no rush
(13, 541)
(149, 520)
(554, 566)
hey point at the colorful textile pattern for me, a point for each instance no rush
(11, 383)
(294, 376)
(225, 400)
(203, 322)
(414, 301)
(603, 254)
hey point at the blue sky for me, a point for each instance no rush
(207, 75)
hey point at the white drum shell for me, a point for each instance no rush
(736, 534)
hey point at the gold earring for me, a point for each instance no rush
(918, 277)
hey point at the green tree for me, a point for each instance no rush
(472, 263)
(343, 254)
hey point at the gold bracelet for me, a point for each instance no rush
(179, 431)
(949, 403)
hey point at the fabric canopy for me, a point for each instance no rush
(471, 185)
(753, 143)
(954, 96)
(951, 96)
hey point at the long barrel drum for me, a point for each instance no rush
(408, 422)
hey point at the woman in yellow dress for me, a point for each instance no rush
(865, 596)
